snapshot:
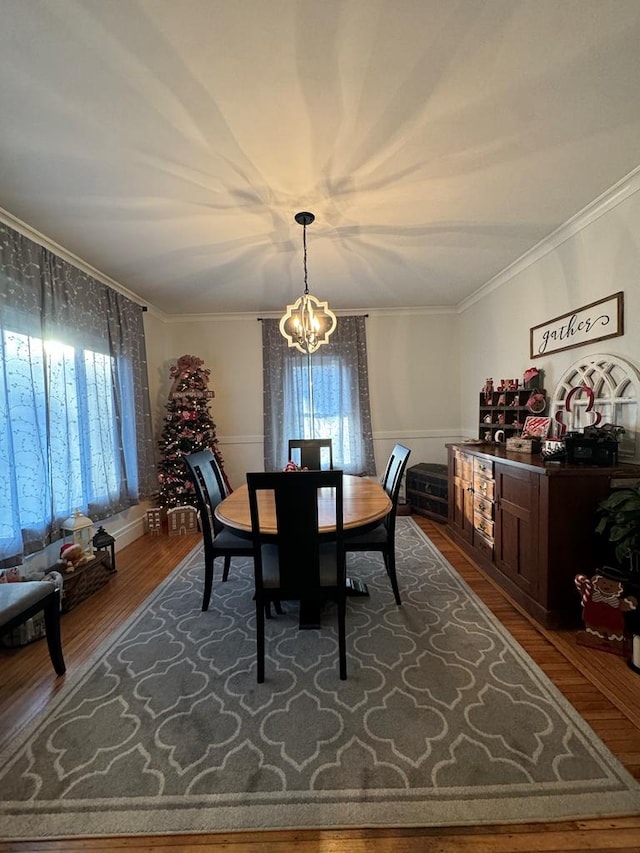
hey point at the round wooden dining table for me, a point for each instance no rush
(364, 503)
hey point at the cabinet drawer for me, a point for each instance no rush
(482, 524)
(482, 468)
(483, 506)
(483, 488)
(484, 544)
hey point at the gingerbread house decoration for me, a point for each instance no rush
(182, 519)
(154, 521)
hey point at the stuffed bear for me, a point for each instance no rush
(72, 556)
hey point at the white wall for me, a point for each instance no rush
(414, 376)
(426, 367)
(592, 257)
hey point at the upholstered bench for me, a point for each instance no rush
(20, 601)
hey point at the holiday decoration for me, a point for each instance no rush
(79, 529)
(181, 520)
(604, 604)
(188, 428)
(154, 520)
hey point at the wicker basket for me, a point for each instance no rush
(85, 580)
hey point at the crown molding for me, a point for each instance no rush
(344, 312)
(60, 252)
(611, 198)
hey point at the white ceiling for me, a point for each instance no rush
(169, 143)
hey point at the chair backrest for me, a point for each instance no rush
(311, 453)
(298, 540)
(205, 474)
(393, 477)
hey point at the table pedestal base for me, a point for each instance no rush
(309, 615)
(310, 610)
(356, 587)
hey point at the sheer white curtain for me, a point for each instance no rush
(75, 425)
(340, 396)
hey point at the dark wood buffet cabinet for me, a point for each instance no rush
(529, 525)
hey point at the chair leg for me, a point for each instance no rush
(227, 564)
(390, 565)
(260, 608)
(208, 583)
(52, 629)
(342, 643)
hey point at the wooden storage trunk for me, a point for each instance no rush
(427, 490)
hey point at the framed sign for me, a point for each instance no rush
(595, 322)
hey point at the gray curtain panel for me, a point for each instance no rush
(334, 405)
(75, 415)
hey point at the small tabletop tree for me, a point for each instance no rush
(188, 428)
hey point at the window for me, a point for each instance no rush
(59, 427)
(75, 424)
(334, 404)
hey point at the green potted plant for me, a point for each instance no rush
(619, 521)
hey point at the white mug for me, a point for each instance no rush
(499, 435)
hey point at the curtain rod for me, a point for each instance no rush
(260, 319)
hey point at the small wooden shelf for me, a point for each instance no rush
(507, 410)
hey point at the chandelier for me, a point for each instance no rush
(307, 323)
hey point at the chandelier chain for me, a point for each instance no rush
(304, 256)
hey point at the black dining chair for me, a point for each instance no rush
(205, 474)
(382, 537)
(297, 563)
(311, 453)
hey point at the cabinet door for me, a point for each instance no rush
(461, 507)
(517, 526)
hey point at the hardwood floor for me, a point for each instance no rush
(600, 686)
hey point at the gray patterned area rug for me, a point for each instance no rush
(444, 719)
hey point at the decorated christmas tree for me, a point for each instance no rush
(188, 428)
